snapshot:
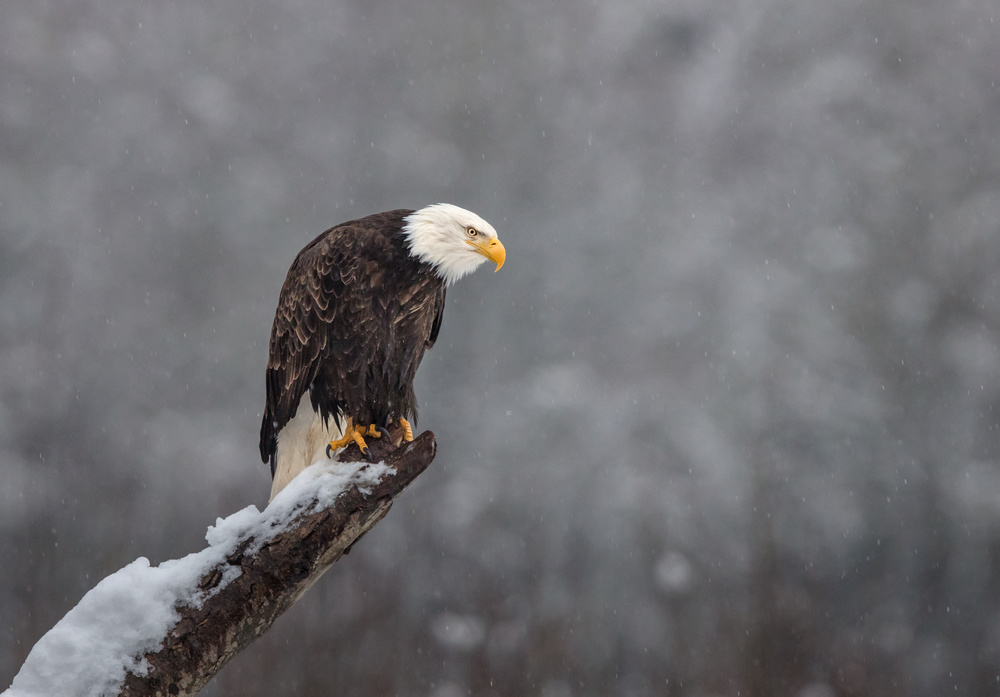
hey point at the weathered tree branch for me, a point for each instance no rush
(273, 578)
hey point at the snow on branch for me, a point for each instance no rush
(167, 629)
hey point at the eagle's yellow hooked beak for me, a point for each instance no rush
(492, 249)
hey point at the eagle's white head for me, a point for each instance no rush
(452, 240)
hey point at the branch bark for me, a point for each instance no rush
(273, 578)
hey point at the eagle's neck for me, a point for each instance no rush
(431, 240)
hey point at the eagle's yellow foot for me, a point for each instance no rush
(353, 434)
(336, 445)
(407, 430)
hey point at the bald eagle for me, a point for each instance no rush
(360, 305)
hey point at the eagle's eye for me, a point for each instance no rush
(472, 232)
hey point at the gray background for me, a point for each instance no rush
(726, 422)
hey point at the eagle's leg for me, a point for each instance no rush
(407, 429)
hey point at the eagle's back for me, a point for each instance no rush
(354, 317)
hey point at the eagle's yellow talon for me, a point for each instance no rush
(353, 434)
(407, 429)
(358, 436)
(338, 444)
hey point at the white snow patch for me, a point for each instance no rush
(128, 613)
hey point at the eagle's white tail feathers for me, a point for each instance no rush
(301, 442)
